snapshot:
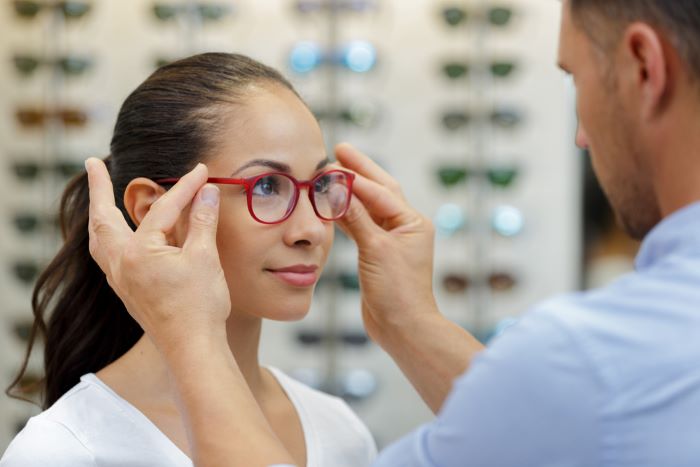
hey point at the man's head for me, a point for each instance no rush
(636, 66)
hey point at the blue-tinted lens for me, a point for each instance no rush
(305, 57)
(449, 219)
(359, 56)
(507, 221)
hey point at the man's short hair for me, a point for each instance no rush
(604, 21)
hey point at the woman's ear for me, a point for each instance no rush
(139, 196)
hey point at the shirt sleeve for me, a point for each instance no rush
(529, 400)
(45, 442)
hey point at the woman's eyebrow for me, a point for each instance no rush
(275, 165)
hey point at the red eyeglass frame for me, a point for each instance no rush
(249, 183)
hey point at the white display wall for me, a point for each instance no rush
(510, 151)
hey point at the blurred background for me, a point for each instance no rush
(461, 101)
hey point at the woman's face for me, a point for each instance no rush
(272, 132)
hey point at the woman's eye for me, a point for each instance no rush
(322, 184)
(266, 186)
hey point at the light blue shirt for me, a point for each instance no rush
(604, 378)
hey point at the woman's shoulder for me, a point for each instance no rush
(46, 441)
(56, 435)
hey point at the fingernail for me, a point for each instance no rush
(210, 195)
(88, 162)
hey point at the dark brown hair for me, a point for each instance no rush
(164, 128)
(604, 20)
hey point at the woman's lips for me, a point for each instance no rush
(297, 276)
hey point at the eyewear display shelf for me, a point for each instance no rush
(460, 101)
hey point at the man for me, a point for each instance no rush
(610, 377)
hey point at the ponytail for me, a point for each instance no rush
(88, 326)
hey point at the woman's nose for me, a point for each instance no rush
(304, 227)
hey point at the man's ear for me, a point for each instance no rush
(648, 65)
(139, 196)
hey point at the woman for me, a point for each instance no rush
(108, 395)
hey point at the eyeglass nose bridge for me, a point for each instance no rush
(298, 186)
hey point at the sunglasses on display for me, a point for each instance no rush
(363, 115)
(506, 221)
(501, 177)
(455, 120)
(30, 171)
(314, 6)
(70, 66)
(22, 329)
(496, 281)
(70, 10)
(29, 223)
(26, 271)
(33, 118)
(311, 338)
(458, 70)
(273, 196)
(205, 11)
(455, 16)
(356, 56)
(505, 119)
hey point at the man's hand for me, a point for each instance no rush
(395, 244)
(173, 293)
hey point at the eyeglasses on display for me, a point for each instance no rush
(496, 281)
(356, 56)
(455, 16)
(357, 385)
(273, 196)
(455, 70)
(314, 6)
(30, 384)
(507, 119)
(205, 11)
(34, 117)
(70, 66)
(70, 10)
(453, 175)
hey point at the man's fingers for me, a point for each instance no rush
(204, 219)
(358, 225)
(107, 227)
(354, 160)
(165, 212)
(381, 203)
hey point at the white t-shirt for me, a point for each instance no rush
(92, 426)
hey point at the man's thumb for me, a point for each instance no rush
(204, 218)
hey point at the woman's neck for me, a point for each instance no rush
(142, 373)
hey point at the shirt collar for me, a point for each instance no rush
(675, 232)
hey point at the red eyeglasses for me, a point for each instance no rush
(273, 196)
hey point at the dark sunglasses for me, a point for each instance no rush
(454, 16)
(455, 70)
(70, 10)
(29, 171)
(308, 337)
(364, 115)
(452, 175)
(496, 281)
(205, 11)
(70, 66)
(26, 271)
